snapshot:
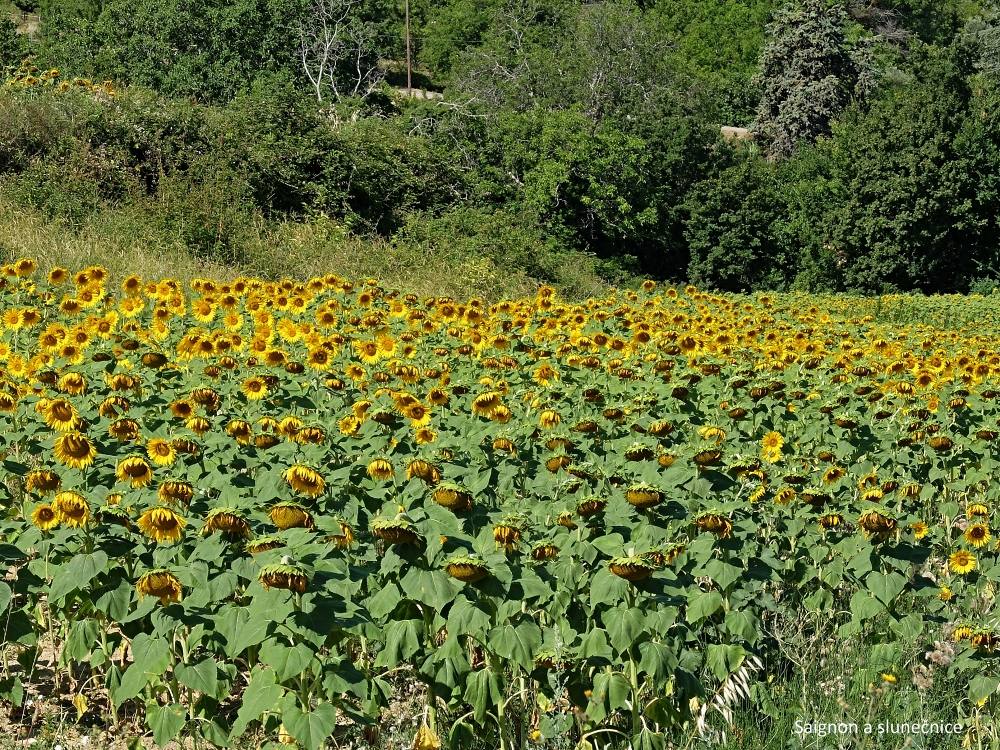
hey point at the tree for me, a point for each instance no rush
(13, 46)
(807, 75)
(733, 230)
(339, 48)
(900, 212)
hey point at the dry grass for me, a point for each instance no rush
(125, 242)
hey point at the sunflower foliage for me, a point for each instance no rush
(265, 506)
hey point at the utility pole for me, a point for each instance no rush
(409, 58)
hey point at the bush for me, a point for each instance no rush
(734, 231)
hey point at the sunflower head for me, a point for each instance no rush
(160, 583)
(283, 576)
(45, 517)
(227, 520)
(72, 508)
(162, 524)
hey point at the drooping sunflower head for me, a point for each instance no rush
(160, 583)
(283, 576)
(72, 508)
(42, 481)
(399, 530)
(227, 520)
(162, 524)
(716, 523)
(290, 515)
(643, 496)
(305, 480)
(876, 524)
(380, 469)
(264, 544)
(632, 567)
(466, 568)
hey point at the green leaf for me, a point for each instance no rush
(309, 728)
(83, 636)
(80, 571)
(402, 642)
(595, 643)
(165, 721)
(886, 586)
(262, 694)
(723, 573)
(203, 676)
(431, 587)
(5, 596)
(724, 659)
(482, 692)
(656, 660)
(516, 643)
(864, 606)
(982, 687)
(703, 604)
(607, 588)
(624, 626)
(286, 660)
(150, 658)
(742, 624)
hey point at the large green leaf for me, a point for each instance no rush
(150, 658)
(262, 694)
(165, 721)
(516, 643)
(80, 571)
(202, 676)
(482, 692)
(310, 728)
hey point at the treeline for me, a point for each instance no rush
(568, 130)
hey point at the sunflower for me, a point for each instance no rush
(162, 524)
(227, 520)
(978, 534)
(72, 508)
(72, 383)
(264, 544)
(290, 515)
(977, 509)
(160, 583)
(135, 470)
(304, 480)
(920, 529)
(42, 481)
(45, 517)
(175, 491)
(466, 569)
(549, 419)
(61, 415)
(715, 523)
(962, 562)
(161, 452)
(75, 450)
(283, 576)
(381, 470)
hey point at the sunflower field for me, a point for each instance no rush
(280, 508)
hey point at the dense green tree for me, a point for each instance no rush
(901, 213)
(13, 47)
(734, 233)
(807, 75)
